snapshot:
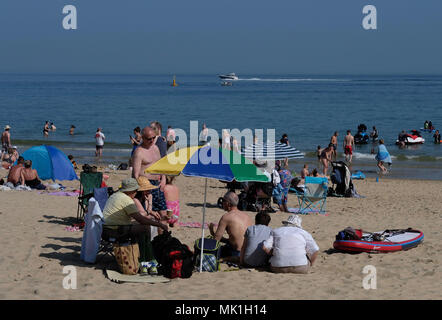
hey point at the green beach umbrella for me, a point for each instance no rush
(208, 162)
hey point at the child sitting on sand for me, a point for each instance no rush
(172, 195)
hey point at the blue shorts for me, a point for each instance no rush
(158, 199)
(228, 251)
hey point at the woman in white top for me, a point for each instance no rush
(226, 140)
(292, 249)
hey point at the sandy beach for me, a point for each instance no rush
(36, 246)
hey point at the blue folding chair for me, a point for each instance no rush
(314, 197)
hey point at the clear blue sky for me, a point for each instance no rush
(205, 36)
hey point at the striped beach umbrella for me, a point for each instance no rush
(208, 162)
(272, 151)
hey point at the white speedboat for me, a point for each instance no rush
(230, 76)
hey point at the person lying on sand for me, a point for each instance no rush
(235, 223)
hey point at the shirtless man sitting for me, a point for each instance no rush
(143, 157)
(349, 143)
(29, 177)
(14, 175)
(235, 223)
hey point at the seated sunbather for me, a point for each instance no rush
(235, 223)
(118, 213)
(252, 254)
(292, 249)
(14, 175)
(29, 177)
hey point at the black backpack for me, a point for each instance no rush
(175, 258)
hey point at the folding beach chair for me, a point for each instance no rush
(314, 197)
(88, 181)
(94, 242)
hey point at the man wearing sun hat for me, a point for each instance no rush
(120, 209)
(118, 213)
(292, 249)
(6, 139)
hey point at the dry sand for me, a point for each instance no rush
(35, 247)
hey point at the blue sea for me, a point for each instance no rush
(309, 108)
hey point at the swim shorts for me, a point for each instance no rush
(228, 251)
(348, 150)
(158, 199)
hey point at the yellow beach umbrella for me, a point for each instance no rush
(173, 163)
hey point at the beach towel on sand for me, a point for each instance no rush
(383, 154)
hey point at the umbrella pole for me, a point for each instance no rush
(202, 227)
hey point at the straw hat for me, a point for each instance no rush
(145, 184)
(128, 185)
(293, 220)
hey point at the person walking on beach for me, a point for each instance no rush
(334, 142)
(383, 156)
(144, 156)
(99, 143)
(6, 139)
(46, 129)
(349, 143)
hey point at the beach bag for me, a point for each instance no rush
(211, 254)
(177, 262)
(127, 257)
(349, 234)
(175, 258)
(122, 166)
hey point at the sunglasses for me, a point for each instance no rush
(149, 139)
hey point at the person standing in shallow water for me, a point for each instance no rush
(99, 143)
(46, 129)
(334, 142)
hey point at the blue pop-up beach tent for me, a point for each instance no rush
(50, 163)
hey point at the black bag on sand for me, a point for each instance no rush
(175, 258)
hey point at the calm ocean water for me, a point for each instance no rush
(308, 108)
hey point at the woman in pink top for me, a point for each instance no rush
(172, 195)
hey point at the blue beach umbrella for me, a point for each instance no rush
(208, 162)
(50, 163)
